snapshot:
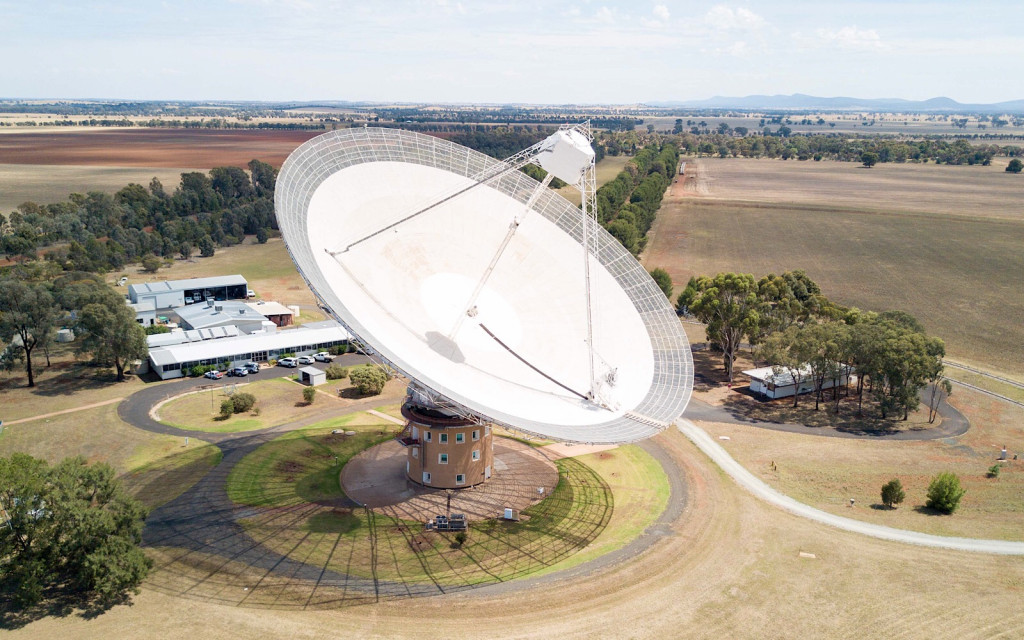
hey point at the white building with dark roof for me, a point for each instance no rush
(168, 294)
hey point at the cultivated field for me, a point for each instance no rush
(958, 270)
(45, 184)
(150, 147)
(729, 567)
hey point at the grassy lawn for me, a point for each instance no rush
(300, 466)
(292, 474)
(156, 468)
(827, 472)
(279, 401)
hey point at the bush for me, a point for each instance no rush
(892, 493)
(460, 538)
(227, 408)
(200, 369)
(1015, 166)
(336, 372)
(368, 379)
(151, 263)
(155, 329)
(338, 349)
(993, 471)
(309, 395)
(944, 492)
(242, 402)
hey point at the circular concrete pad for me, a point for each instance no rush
(376, 478)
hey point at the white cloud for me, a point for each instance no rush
(725, 17)
(661, 16)
(661, 12)
(852, 38)
(605, 15)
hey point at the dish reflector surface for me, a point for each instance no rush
(519, 356)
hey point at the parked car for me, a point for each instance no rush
(249, 293)
(238, 371)
(214, 375)
(305, 360)
(252, 367)
(123, 281)
(287, 362)
(323, 356)
(188, 300)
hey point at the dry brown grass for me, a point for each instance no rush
(730, 568)
(827, 472)
(957, 273)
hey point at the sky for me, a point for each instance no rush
(553, 52)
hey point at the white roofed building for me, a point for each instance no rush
(223, 314)
(174, 360)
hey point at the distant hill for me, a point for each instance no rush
(800, 101)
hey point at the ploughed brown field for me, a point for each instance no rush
(151, 147)
(941, 242)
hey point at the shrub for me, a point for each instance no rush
(155, 329)
(200, 369)
(460, 538)
(993, 471)
(227, 408)
(336, 372)
(309, 395)
(151, 263)
(338, 349)
(944, 492)
(242, 402)
(892, 493)
(368, 379)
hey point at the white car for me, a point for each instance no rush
(123, 281)
(305, 360)
(323, 356)
(287, 362)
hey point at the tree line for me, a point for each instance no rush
(628, 205)
(843, 148)
(801, 333)
(100, 232)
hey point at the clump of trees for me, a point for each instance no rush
(336, 372)
(36, 299)
(70, 528)
(144, 224)
(799, 332)
(368, 379)
(237, 403)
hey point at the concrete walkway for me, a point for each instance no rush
(759, 488)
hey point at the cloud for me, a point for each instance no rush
(605, 15)
(851, 38)
(727, 18)
(661, 16)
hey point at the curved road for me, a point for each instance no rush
(760, 489)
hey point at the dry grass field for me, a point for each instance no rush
(278, 400)
(958, 269)
(827, 472)
(45, 184)
(729, 567)
(150, 147)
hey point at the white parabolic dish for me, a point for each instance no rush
(520, 358)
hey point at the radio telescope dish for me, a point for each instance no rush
(467, 276)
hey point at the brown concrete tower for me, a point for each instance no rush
(445, 450)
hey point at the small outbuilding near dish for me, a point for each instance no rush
(312, 376)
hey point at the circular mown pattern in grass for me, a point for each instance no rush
(301, 543)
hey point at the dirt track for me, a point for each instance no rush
(151, 147)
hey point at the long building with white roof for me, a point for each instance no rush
(174, 360)
(168, 294)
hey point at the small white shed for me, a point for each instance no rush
(312, 376)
